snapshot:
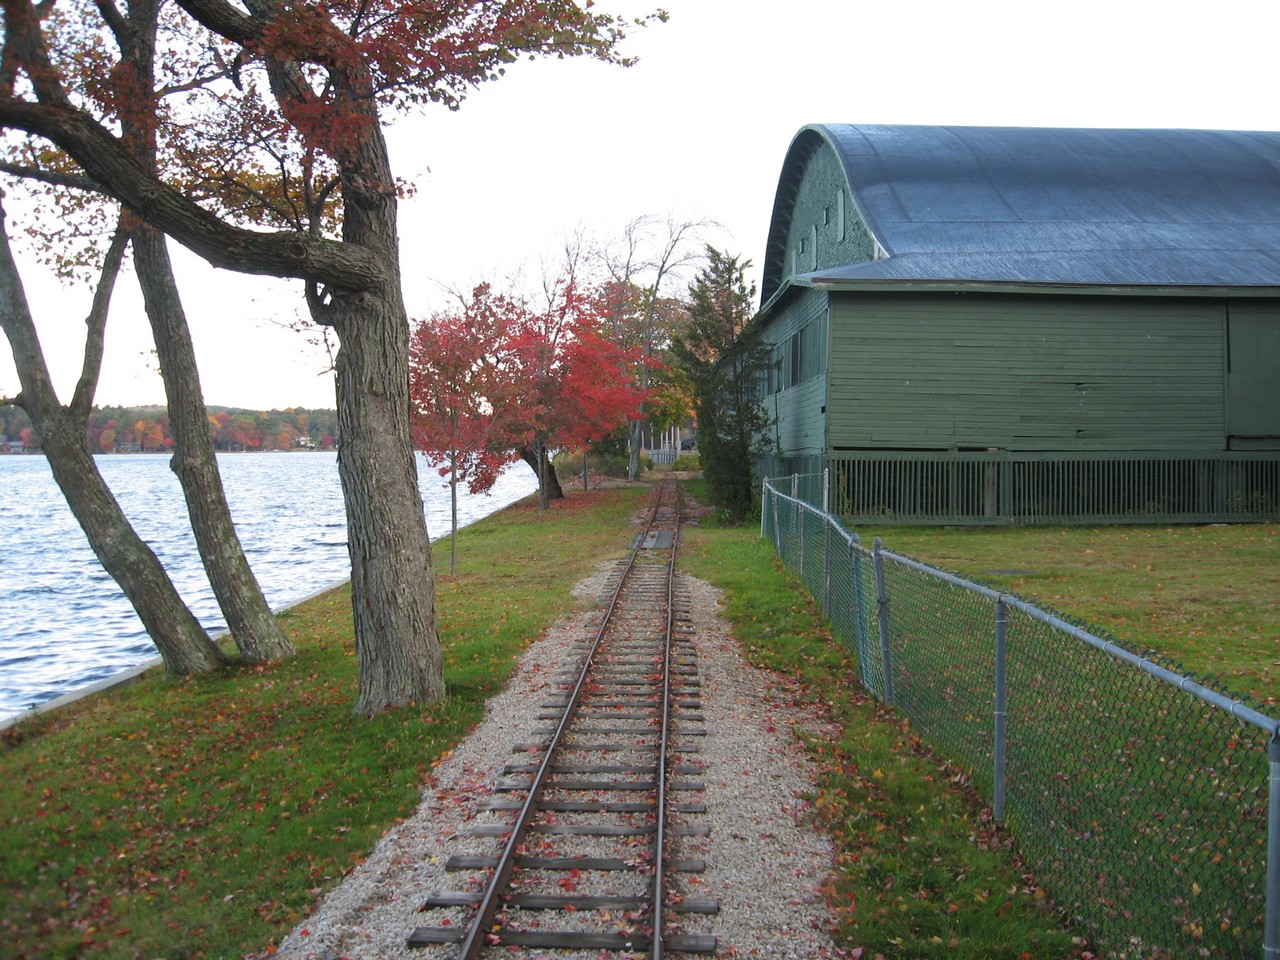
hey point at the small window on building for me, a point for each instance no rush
(793, 372)
(840, 216)
(813, 244)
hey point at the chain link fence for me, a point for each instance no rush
(1146, 801)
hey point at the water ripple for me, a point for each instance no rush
(64, 622)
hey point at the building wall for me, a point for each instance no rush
(1069, 374)
(1253, 374)
(795, 394)
(826, 229)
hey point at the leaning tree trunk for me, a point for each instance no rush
(548, 483)
(256, 631)
(392, 584)
(184, 646)
(181, 641)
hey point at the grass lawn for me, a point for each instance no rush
(1207, 596)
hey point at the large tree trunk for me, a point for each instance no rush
(256, 631)
(548, 483)
(182, 642)
(392, 584)
(635, 433)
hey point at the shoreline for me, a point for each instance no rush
(130, 674)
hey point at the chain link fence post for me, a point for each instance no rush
(764, 504)
(1271, 929)
(777, 535)
(861, 642)
(1002, 636)
(882, 616)
(826, 547)
(797, 521)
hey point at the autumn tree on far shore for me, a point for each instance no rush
(271, 160)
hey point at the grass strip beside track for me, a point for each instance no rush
(921, 870)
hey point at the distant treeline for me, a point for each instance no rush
(146, 429)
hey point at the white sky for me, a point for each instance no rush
(698, 129)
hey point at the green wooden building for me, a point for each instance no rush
(1014, 325)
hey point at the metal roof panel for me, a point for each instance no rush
(1044, 205)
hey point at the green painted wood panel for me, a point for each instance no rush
(1022, 372)
(799, 410)
(1253, 376)
(800, 426)
(825, 229)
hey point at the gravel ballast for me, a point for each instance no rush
(764, 858)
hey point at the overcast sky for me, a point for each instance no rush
(697, 130)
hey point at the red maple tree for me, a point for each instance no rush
(452, 393)
(528, 381)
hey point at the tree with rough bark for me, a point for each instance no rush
(184, 646)
(272, 139)
(725, 360)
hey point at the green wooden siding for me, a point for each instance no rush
(825, 229)
(800, 429)
(1253, 375)
(1026, 373)
(796, 392)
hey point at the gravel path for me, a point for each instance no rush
(764, 858)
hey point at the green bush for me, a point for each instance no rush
(569, 465)
(687, 461)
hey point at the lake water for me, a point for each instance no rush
(63, 621)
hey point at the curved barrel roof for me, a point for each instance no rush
(1048, 206)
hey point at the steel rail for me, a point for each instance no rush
(482, 923)
(658, 890)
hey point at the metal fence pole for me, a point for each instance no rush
(777, 536)
(1002, 635)
(799, 516)
(764, 504)
(859, 611)
(795, 515)
(882, 615)
(826, 550)
(1271, 930)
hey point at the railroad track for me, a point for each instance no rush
(582, 814)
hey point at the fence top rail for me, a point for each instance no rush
(1240, 711)
(849, 538)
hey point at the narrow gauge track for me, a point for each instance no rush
(584, 864)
